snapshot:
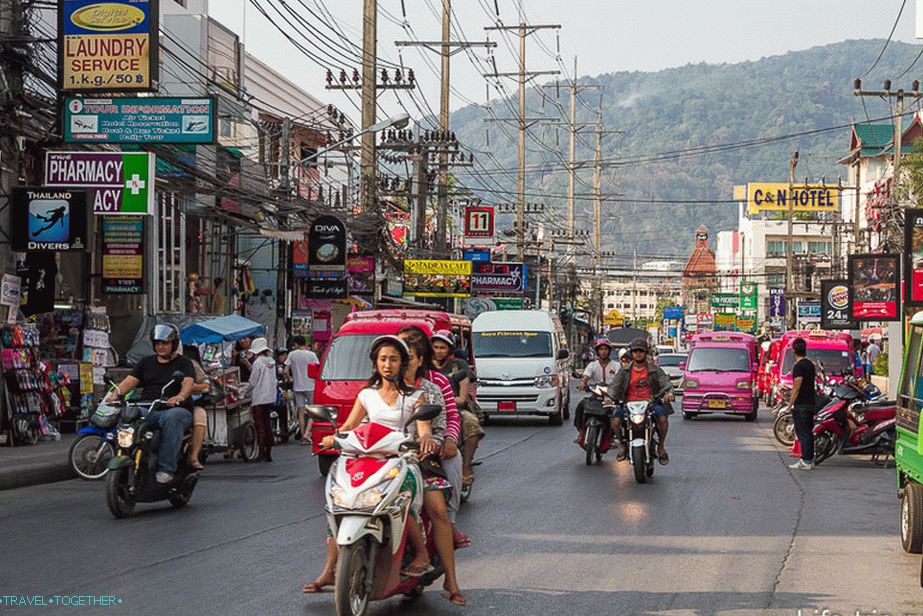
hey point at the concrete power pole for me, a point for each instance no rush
(11, 83)
(367, 158)
(523, 123)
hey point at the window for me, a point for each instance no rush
(348, 358)
(775, 248)
(911, 391)
(512, 344)
(775, 280)
(824, 248)
(719, 359)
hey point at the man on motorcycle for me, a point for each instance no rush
(153, 373)
(602, 372)
(640, 381)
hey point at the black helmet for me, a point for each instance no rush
(166, 332)
(638, 344)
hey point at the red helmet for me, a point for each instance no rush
(444, 335)
(600, 342)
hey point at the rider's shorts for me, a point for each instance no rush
(471, 427)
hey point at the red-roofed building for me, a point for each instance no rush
(699, 274)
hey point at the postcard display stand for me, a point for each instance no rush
(34, 397)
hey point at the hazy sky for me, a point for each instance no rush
(605, 35)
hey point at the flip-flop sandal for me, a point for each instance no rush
(621, 457)
(461, 540)
(313, 587)
(456, 598)
(418, 570)
(664, 459)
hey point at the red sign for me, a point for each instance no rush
(874, 287)
(913, 249)
(479, 221)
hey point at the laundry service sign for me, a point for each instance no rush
(121, 182)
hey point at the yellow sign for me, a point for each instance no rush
(430, 266)
(86, 379)
(614, 317)
(774, 197)
(725, 319)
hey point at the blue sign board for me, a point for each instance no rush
(153, 119)
(776, 302)
(477, 256)
(673, 313)
(809, 309)
(671, 331)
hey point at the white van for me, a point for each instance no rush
(522, 369)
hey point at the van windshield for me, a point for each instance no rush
(348, 358)
(835, 361)
(512, 344)
(718, 359)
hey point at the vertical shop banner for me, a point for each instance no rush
(300, 258)
(108, 46)
(437, 278)
(123, 181)
(498, 277)
(913, 248)
(123, 255)
(327, 245)
(140, 120)
(749, 294)
(48, 219)
(835, 311)
(360, 274)
(874, 287)
(776, 302)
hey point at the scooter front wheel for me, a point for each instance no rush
(351, 596)
(590, 443)
(783, 428)
(638, 462)
(120, 502)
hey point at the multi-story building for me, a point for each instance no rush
(635, 293)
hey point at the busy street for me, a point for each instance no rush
(725, 529)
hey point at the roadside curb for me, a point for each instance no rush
(34, 475)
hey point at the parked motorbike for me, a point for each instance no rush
(851, 425)
(284, 417)
(596, 432)
(91, 451)
(640, 432)
(783, 426)
(132, 471)
(368, 511)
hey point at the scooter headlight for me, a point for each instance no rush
(637, 418)
(126, 437)
(365, 500)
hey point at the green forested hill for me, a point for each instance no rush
(689, 107)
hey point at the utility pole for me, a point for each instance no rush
(446, 48)
(789, 283)
(11, 78)
(523, 77)
(367, 159)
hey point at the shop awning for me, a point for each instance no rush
(223, 329)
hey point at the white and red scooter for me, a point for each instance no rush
(368, 511)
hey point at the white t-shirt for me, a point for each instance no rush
(595, 371)
(298, 361)
(392, 416)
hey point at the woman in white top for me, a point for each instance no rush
(390, 400)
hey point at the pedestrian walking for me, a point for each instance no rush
(874, 351)
(262, 386)
(802, 404)
(296, 367)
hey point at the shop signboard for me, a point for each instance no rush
(704, 321)
(123, 255)
(437, 278)
(123, 182)
(809, 310)
(508, 303)
(776, 302)
(614, 318)
(746, 324)
(725, 320)
(326, 288)
(360, 274)
(874, 287)
(473, 306)
(673, 313)
(835, 311)
(774, 197)
(724, 300)
(327, 245)
(9, 290)
(913, 248)
(498, 277)
(300, 258)
(108, 46)
(140, 120)
(477, 256)
(479, 221)
(48, 219)
(749, 293)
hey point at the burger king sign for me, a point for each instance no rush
(835, 310)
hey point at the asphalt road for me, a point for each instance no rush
(725, 529)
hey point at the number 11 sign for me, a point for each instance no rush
(479, 221)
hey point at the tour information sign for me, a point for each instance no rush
(139, 120)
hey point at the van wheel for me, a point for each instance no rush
(687, 415)
(557, 419)
(912, 518)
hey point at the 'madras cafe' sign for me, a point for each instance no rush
(123, 182)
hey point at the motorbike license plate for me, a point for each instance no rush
(506, 406)
(716, 404)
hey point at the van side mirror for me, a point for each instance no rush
(314, 371)
(682, 365)
(563, 354)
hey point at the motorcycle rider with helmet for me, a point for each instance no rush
(640, 380)
(602, 372)
(153, 373)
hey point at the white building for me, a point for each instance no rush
(635, 293)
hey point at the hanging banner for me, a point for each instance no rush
(327, 245)
(776, 302)
(48, 219)
(749, 296)
(123, 255)
(913, 248)
(108, 46)
(300, 259)
(360, 274)
(123, 181)
(774, 197)
(835, 311)
(140, 120)
(500, 277)
(725, 300)
(874, 287)
(435, 278)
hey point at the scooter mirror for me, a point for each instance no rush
(425, 412)
(322, 413)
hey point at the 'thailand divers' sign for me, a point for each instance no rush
(48, 219)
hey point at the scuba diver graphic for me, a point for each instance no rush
(52, 217)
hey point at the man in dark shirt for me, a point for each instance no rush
(802, 404)
(153, 373)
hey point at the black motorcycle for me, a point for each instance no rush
(597, 425)
(640, 432)
(131, 478)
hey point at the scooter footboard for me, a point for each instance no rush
(351, 528)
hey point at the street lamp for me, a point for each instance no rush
(399, 121)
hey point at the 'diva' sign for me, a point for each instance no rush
(123, 181)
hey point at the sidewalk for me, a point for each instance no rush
(29, 465)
